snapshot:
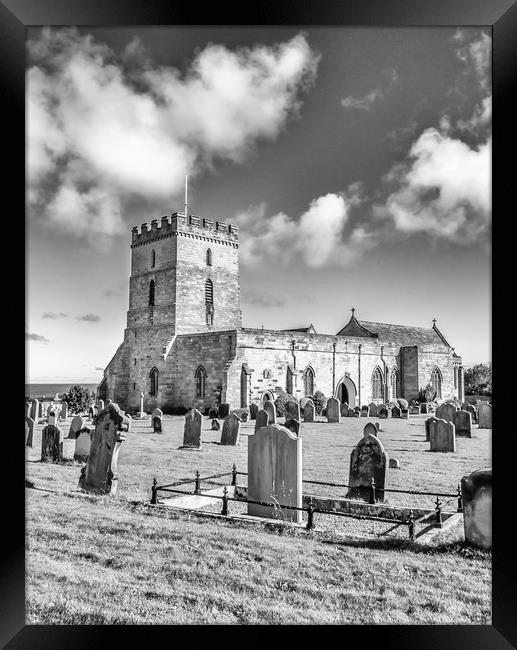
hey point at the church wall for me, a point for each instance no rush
(428, 360)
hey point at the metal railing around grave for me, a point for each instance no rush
(310, 509)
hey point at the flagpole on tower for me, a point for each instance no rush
(186, 196)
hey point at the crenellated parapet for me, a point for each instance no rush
(191, 226)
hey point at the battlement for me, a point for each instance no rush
(178, 223)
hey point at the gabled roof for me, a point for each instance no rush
(305, 330)
(393, 334)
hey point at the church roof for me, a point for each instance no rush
(304, 330)
(393, 334)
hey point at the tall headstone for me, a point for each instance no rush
(28, 406)
(396, 412)
(51, 444)
(365, 411)
(41, 409)
(374, 411)
(470, 408)
(82, 445)
(463, 424)
(368, 460)
(63, 414)
(231, 430)
(34, 412)
(29, 423)
(76, 425)
(293, 425)
(442, 436)
(429, 424)
(476, 494)
(484, 415)
(424, 408)
(100, 474)
(141, 413)
(270, 409)
(275, 473)
(192, 429)
(446, 412)
(382, 411)
(292, 411)
(333, 410)
(404, 414)
(262, 419)
(253, 411)
(309, 412)
(224, 410)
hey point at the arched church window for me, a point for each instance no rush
(436, 382)
(153, 258)
(151, 293)
(153, 382)
(208, 257)
(289, 381)
(455, 376)
(200, 381)
(394, 383)
(209, 302)
(377, 384)
(309, 382)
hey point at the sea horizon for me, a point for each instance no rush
(42, 389)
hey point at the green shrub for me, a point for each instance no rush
(281, 401)
(427, 394)
(77, 398)
(320, 401)
(403, 403)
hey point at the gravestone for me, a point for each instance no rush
(446, 412)
(424, 408)
(91, 412)
(34, 412)
(333, 410)
(262, 419)
(382, 411)
(51, 417)
(29, 423)
(100, 473)
(463, 424)
(442, 436)
(127, 425)
(404, 414)
(76, 425)
(368, 460)
(51, 444)
(370, 429)
(309, 412)
(192, 429)
(275, 473)
(215, 425)
(470, 408)
(213, 414)
(374, 411)
(344, 409)
(64, 411)
(394, 463)
(231, 430)
(476, 494)
(100, 405)
(41, 410)
(365, 411)
(82, 445)
(270, 409)
(28, 406)
(484, 416)
(357, 411)
(253, 411)
(293, 425)
(429, 424)
(157, 420)
(292, 411)
(224, 410)
(396, 412)
(378, 426)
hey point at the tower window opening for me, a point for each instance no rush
(153, 377)
(377, 384)
(200, 381)
(209, 302)
(209, 257)
(151, 293)
(153, 258)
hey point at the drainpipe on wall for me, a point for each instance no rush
(333, 367)
(359, 372)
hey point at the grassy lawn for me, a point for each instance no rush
(94, 560)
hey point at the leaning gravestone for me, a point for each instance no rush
(51, 444)
(224, 410)
(293, 425)
(442, 436)
(368, 460)
(463, 424)
(30, 433)
(231, 430)
(429, 424)
(404, 414)
(446, 412)
(253, 410)
(396, 412)
(192, 429)
(309, 412)
(470, 408)
(275, 473)
(476, 494)
(34, 412)
(382, 411)
(365, 411)
(424, 407)
(262, 419)
(344, 409)
(82, 445)
(333, 410)
(484, 416)
(292, 411)
(270, 409)
(373, 410)
(215, 425)
(100, 474)
(76, 425)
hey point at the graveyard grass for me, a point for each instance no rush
(109, 560)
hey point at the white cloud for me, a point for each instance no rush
(366, 101)
(476, 54)
(102, 128)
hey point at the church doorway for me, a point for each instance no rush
(267, 397)
(346, 392)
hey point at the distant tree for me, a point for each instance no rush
(281, 401)
(478, 379)
(320, 401)
(77, 398)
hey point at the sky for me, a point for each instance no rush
(356, 162)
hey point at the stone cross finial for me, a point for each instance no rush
(353, 311)
(434, 322)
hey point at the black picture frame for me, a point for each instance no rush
(501, 15)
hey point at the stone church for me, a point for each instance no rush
(184, 344)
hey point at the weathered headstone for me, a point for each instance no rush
(100, 405)
(382, 411)
(378, 426)
(429, 424)
(82, 445)
(29, 423)
(470, 408)
(51, 417)
(253, 410)
(28, 406)
(63, 414)
(100, 474)
(442, 436)
(213, 414)
(270, 409)
(275, 473)
(476, 494)
(446, 412)
(357, 411)
(370, 429)
(76, 425)
(344, 409)
(231, 430)
(292, 411)
(215, 425)
(51, 444)
(394, 463)
(34, 412)
(484, 415)
(333, 410)
(127, 425)
(365, 411)
(262, 419)
(224, 410)
(424, 408)
(41, 410)
(157, 423)
(368, 460)
(404, 414)
(396, 412)
(309, 412)
(374, 411)
(293, 425)
(463, 424)
(192, 429)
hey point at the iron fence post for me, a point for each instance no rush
(372, 487)
(153, 492)
(438, 510)
(224, 510)
(310, 515)
(197, 488)
(411, 526)
(460, 500)
(234, 475)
